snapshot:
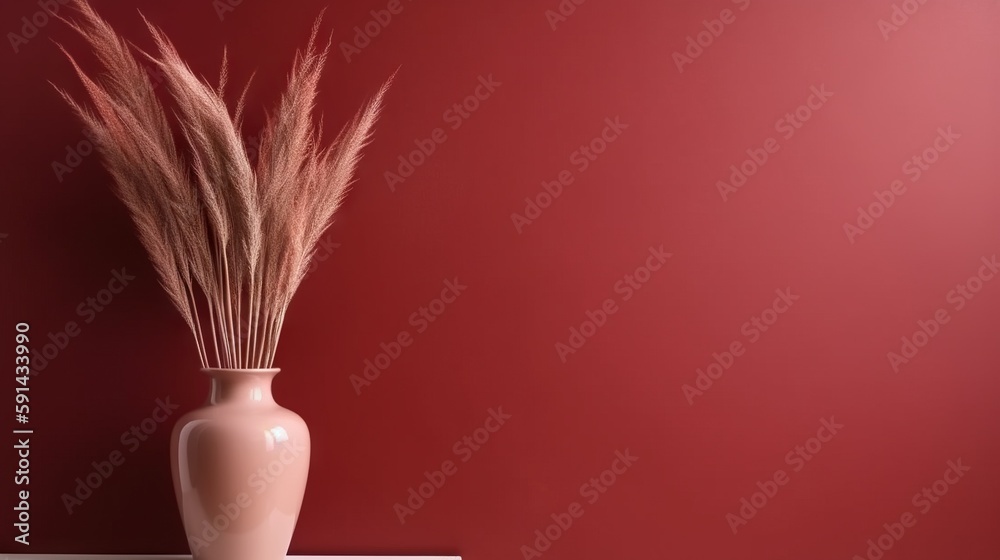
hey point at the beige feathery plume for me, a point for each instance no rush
(224, 236)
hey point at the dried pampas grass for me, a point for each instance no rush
(231, 239)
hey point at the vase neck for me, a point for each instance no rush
(241, 386)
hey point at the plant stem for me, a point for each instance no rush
(234, 343)
(215, 337)
(198, 338)
(277, 334)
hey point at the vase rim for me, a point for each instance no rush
(251, 371)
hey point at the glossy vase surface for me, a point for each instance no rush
(239, 465)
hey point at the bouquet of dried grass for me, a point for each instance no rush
(227, 236)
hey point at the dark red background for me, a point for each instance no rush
(495, 346)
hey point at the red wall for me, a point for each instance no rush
(878, 97)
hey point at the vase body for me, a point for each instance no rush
(239, 466)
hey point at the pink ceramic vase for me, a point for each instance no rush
(239, 465)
